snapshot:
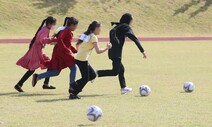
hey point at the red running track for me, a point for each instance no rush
(107, 39)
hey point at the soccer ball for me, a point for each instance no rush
(144, 90)
(94, 113)
(189, 87)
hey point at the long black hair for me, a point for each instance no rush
(91, 29)
(48, 20)
(126, 18)
(68, 22)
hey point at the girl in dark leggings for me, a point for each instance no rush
(117, 39)
(35, 58)
(85, 45)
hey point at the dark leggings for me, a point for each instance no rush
(118, 69)
(87, 73)
(27, 75)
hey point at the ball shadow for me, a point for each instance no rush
(85, 125)
(185, 92)
(141, 96)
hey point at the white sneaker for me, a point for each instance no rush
(126, 90)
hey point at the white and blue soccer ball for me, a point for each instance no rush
(144, 90)
(94, 113)
(188, 87)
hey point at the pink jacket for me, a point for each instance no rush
(34, 57)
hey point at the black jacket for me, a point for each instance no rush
(122, 31)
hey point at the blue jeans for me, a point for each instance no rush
(52, 73)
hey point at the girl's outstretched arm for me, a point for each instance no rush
(45, 39)
(101, 50)
(132, 36)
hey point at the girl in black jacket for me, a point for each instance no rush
(117, 39)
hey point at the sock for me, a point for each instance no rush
(96, 72)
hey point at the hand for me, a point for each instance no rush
(72, 54)
(109, 45)
(144, 55)
(54, 35)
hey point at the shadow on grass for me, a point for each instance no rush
(65, 99)
(109, 4)
(9, 94)
(141, 96)
(187, 6)
(94, 95)
(186, 92)
(85, 125)
(60, 7)
(24, 94)
(53, 100)
(32, 94)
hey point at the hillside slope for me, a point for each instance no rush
(21, 18)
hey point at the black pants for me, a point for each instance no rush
(87, 73)
(27, 75)
(118, 69)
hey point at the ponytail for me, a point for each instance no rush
(125, 18)
(33, 39)
(114, 23)
(65, 21)
(48, 20)
(90, 30)
(70, 21)
(92, 27)
(64, 24)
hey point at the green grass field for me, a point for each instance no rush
(21, 18)
(168, 66)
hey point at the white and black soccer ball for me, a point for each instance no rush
(94, 113)
(188, 87)
(144, 90)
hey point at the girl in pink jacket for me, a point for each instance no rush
(34, 57)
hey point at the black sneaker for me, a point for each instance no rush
(48, 87)
(34, 80)
(70, 91)
(73, 97)
(18, 88)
